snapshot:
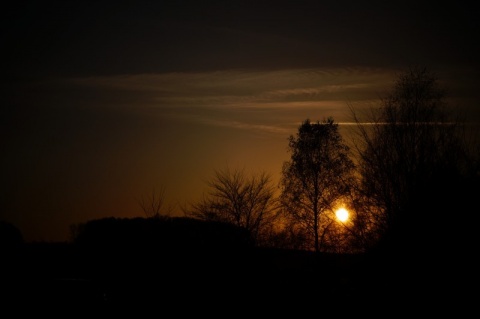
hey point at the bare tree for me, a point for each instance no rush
(412, 156)
(153, 206)
(317, 177)
(245, 201)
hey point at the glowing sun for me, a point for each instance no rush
(342, 214)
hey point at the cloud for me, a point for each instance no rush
(271, 102)
(247, 126)
(246, 88)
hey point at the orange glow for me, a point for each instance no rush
(342, 214)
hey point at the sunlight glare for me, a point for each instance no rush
(342, 214)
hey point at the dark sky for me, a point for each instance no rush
(80, 38)
(102, 102)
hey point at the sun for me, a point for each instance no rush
(342, 214)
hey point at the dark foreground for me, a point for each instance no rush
(63, 277)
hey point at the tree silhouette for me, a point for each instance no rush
(153, 206)
(245, 201)
(414, 161)
(317, 177)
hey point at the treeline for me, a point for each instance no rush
(409, 174)
(408, 180)
(174, 234)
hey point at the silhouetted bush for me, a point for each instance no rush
(170, 250)
(175, 233)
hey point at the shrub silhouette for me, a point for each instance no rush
(177, 233)
(152, 247)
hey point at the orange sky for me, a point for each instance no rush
(104, 104)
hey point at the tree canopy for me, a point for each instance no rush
(243, 200)
(414, 161)
(317, 176)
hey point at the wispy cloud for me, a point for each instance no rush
(241, 87)
(268, 101)
(247, 126)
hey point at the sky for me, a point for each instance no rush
(104, 102)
